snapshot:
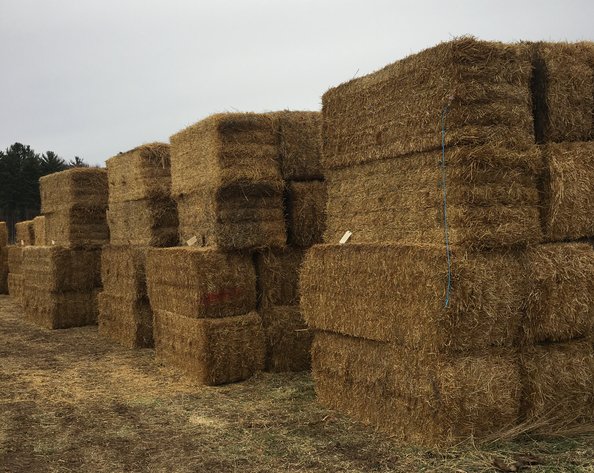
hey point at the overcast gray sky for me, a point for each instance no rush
(92, 78)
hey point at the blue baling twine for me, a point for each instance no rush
(445, 206)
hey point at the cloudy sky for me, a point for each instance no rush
(92, 78)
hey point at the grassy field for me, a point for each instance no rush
(73, 402)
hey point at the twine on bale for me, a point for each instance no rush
(445, 207)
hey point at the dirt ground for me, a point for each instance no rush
(71, 401)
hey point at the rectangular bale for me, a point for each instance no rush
(141, 173)
(568, 199)
(39, 231)
(397, 293)
(480, 89)
(59, 310)
(3, 234)
(15, 259)
(25, 233)
(3, 270)
(288, 339)
(425, 398)
(200, 282)
(123, 271)
(211, 351)
(76, 186)
(277, 271)
(15, 284)
(491, 198)
(77, 226)
(147, 222)
(225, 150)
(127, 321)
(306, 212)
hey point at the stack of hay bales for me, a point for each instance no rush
(39, 230)
(15, 275)
(25, 233)
(61, 281)
(141, 214)
(3, 258)
(422, 322)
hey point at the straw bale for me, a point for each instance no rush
(3, 270)
(141, 173)
(492, 198)
(200, 282)
(56, 269)
(396, 293)
(563, 84)
(25, 233)
(15, 259)
(288, 340)
(123, 271)
(59, 310)
(211, 351)
(561, 301)
(568, 200)
(148, 222)
(306, 212)
(426, 398)
(76, 186)
(277, 270)
(299, 143)
(15, 287)
(225, 150)
(397, 110)
(127, 321)
(39, 231)
(558, 381)
(77, 226)
(3, 234)
(233, 219)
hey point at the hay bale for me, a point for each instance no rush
(288, 340)
(200, 283)
(83, 187)
(141, 173)
(233, 219)
(397, 110)
(563, 83)
(15, 277)
(277, 270)
(211, 351)
(59, 310)
(3, 270)
(148, 222)
(561, 298)
(126, 320)
(568, 201)
(225, 150)
(3, 234)
(15, 259)
(306, 212)
(39, 231)
(492, 199)
(427, 398)
(299, 143)
(123, 271)
(56, 269)
(558, 384)
(77, 227)
(25, 233)
(396, 293)
(16, 286)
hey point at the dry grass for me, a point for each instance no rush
(25, 233)
(71, 401)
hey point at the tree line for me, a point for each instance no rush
(20, 170)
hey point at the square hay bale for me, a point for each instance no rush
(306, 212)
(299, 142)
(233, 219)
(39, 231)
(397, 293)
(483, 86)
(225, 150)
(492, 194)
(568, 200)
(147, 222)
(58, 269)
(200, 283)
(558, 381)
(123, 271)
(426, 398)
(211, 351)
(15, 284)
(76, 186)
(77, 227)
(59, 310)
(563, 83)
(277, 270)
(141, 173)
(25, 233)
(15, 259)
(3, 234)
(288, 339)
(560, 306)
(3, 270)
(127, 321)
